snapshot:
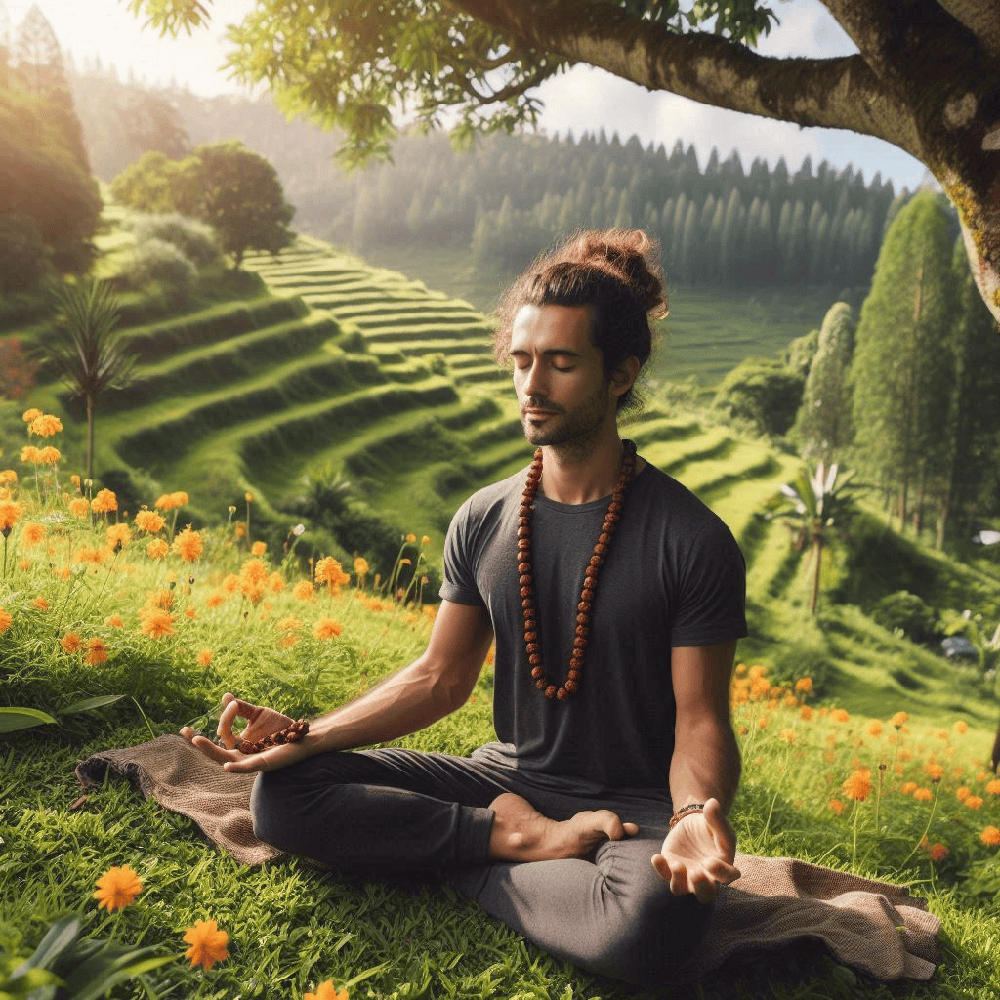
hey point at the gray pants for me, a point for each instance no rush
(395, 811)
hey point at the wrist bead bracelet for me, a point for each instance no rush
(290, 734)
(692, 807)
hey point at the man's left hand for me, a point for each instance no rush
(698, 853)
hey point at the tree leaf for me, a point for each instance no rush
(23, 718)
(87, 704)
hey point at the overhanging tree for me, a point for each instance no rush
(926, 76)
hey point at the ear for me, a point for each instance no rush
(624, 376)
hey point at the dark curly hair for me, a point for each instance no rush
(614, 271)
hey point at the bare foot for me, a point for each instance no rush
(521, 833)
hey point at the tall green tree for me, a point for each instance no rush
(87, 350)
(925, 74)
(903, 370)
(824, 423)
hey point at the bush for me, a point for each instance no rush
(794, 661)
(763, 391)
(196, 240)
(24, 257)
(909, 614)
(157, 260)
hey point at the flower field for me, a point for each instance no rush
(117, 626)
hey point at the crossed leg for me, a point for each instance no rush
(580, 895)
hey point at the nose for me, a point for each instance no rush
(533, 382)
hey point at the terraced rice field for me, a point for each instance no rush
(355, 375)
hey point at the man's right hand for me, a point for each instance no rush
(261, 722)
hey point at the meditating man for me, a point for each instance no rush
(596, 825)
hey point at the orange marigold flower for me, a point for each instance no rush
(287, 641)
(361, 566)
(934, 770)
(31, 414)
(962, 793)
(426, 540)
(188, 544)
(874, 728)
(990, 836)
(118, 534)
(32, 533)
(330, 572)
(96, 653)
(48, 455)
(993, 786)
(40, 603)
(326, 991)
(79, 507)
(204, 658)
(806, 713)
(114, 621)
(787, 736)
(10, 513)
(6, 619)
(327, 628)
(757, 671)
(248, 497)
(253, 592)
(973, 802)
(215, 599)
(836, 805)
(208, 944)
(961, 727)
(276, 582)
(160, 599)
(763, 722)
(804, 684)
(859, 785)
(899, 720)
(157, 548)
(303, 590)
(289, 624)
(907, 787)
(70, 642)
(179, 498)
(156, 623)
(840, 715)
(8, 476)
(923, 794)
(149, 521)
(258, 548)
(239, 529)
(117, 888)
(253, 571)
(45, 425)
(740, 670)
(104, 502)
(936, 852)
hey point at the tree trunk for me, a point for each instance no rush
(818, 554)
(90, 436)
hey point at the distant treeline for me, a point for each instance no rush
(512, 195)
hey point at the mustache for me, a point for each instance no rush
(540, 403)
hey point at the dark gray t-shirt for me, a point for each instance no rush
(673, 576)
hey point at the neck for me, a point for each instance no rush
(571, 476)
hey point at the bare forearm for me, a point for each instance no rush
(705, 764)
(410, 700)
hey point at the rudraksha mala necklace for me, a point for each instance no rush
(290, 734)
(532, 645)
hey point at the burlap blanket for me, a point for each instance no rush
(874, 927)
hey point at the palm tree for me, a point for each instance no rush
(814, 507)
(88, 352)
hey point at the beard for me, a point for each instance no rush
(575, 429)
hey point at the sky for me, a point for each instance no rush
(583, 99)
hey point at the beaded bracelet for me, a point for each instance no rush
(290, 734)
(692, 807)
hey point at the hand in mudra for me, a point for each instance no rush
(261, 722)
(697, 854)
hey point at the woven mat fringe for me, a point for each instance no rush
(872, 926)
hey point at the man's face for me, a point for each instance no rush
(564, 395)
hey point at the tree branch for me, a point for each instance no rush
(833, 93)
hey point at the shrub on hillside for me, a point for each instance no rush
(158, 260)
(907, 613)
(24, 257)
(196, 240)
(764, 392)
(793, 661)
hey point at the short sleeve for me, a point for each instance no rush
(459, 585)
(712, 598)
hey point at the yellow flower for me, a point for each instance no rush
(29, 454)
(961, 727)
(149, 521)
(79, 507)
(104, 502)
(248, 497)
(48, 455)
(204, 658)
(239, 529)
(8, 476)
(899, 720)
(330, 572)
(276, 583)
(117, 887)
(327, 628)
(303, 590)
(157, 548)
(411, 538)
(32, 533)
(6, 619)
(208, 943)
(156, 622)
(179, 498)
(859, 785)
(360, 566)
(70, 642)
(990, 836)
(326, 991)
(188, 543)
(45, 425)
(96, 653)
(426, 540)
(118, 534)
(32, 414)
(258, 548)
